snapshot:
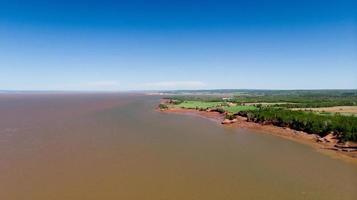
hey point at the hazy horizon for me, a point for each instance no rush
(169, 90)
(176, 45)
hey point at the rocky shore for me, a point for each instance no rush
(329, 144)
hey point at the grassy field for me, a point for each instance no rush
(235, 109)
(344, 110)
(205, 105)
(266, 103)
(198, 104)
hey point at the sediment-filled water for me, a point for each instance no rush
(116, 146)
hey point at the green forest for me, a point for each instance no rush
(345, 127)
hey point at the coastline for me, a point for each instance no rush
(328, 147)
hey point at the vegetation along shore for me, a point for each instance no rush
(325, 119)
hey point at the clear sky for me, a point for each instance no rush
(203, 44)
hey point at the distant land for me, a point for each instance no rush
(326, 119)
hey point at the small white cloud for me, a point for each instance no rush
(174, 85)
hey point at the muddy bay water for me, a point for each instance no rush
(116, 146)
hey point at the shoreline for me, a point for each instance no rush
(327, 147)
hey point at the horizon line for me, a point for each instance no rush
(170, 90)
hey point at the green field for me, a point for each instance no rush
(235, 109)
(198, 104)
(206, 105)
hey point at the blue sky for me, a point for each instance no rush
(136, 45)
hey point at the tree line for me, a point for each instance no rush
(345, 127)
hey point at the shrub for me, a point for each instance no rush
(163, 106)
(230, 116)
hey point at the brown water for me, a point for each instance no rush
(115, 146)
